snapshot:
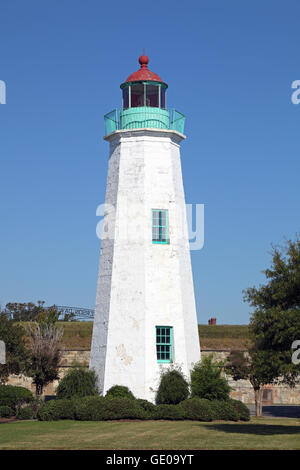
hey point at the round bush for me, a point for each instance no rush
(223, 410)
(241, 409)
(173, 388)
(57, 409)
(14, 397)
(25, 413)
(119, 391)
(77, 383)
(168, 412)
(6, 411)
(197, 409)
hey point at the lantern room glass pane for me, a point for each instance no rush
(137, 95)
(162, 97)
(125, 98)
(152, 96)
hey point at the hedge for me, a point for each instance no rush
(198, 409)
(6, 411)
(89, 409)
(14, 397)
(26, 412)
(148, 407)
(54, 410)
(98, 408)
(102, 409)
(169, 412)
(241, 409)
(223, 410)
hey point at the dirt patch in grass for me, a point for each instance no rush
(8, 420)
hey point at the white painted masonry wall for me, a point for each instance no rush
(143, 285)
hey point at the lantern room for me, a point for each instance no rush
(144, 104)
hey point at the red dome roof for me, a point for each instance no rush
(144, 73)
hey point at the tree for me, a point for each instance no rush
(275, 322)
(24, 311)
(45, 353)
(31, 312)
(207, 382)
(16, 354)
(257, 367)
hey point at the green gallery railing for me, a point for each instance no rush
(144, 117)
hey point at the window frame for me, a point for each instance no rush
(170, 344)
(166, 227)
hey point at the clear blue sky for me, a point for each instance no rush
(229, 66)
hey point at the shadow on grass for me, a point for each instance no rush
(257, 429)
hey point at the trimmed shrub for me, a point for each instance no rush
(57, 409)
(169, 412)
(103, 409)
(148, 407)
(173, 388)
(89, 408)
(25, 413)
(119, 391)
(197, 409)
(241, 409)
(14, 397)
(77, 383)
(6, 411)
(206, 380)
(123, 408)
(223, 410)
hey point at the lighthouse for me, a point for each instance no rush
(145, 315)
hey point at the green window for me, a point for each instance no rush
(160, 229)
(164, 338)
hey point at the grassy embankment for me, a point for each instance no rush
(78, 335)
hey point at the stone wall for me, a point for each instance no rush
(70, 358)
(241, 390)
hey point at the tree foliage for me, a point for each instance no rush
(207, 382)
(16, 354)
(29, 311)
(45, 353)
(275, 322)
(78, 382)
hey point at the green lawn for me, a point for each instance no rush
(260, 433)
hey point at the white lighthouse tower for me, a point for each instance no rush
(145, 315)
